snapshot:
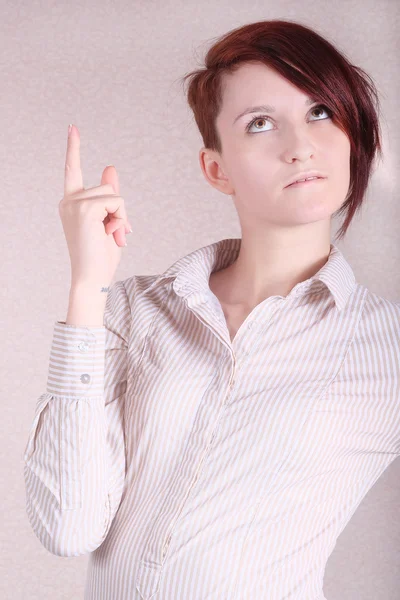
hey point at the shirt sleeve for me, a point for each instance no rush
(74, 460)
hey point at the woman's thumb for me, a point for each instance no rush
(110, 176)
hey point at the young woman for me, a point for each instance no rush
(214, 436)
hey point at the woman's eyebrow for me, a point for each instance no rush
(265, 108)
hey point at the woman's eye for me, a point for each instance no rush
(324, 108)
(261, 118)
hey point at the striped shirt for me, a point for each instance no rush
(191, 467)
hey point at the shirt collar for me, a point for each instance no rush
(192, 271)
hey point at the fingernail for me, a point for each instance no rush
(69, 128)
(126, 243)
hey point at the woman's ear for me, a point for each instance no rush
(210, 163)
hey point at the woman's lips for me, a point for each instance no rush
(300, 183)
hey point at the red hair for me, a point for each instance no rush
(316, 67)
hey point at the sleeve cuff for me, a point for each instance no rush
(76, 365)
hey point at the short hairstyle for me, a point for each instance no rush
(316, 67)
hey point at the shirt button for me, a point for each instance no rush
(85, 378)
(83, 346)
(254, 325)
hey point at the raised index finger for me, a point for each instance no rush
(73, 180)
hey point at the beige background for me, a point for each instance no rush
(112, 68)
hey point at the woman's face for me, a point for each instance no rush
(259, 160)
